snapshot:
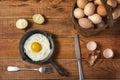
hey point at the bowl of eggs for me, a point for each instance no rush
(91, 17)
(37, 47)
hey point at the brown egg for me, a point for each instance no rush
(101, 10)
(112, 3)
(97, 2)
(81, 3)
(85, 23)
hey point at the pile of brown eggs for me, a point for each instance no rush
(91, 13)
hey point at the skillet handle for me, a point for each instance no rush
(57, 67)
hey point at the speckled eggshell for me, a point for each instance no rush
(85, 23)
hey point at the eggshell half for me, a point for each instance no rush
(108, 53)
(92, 45)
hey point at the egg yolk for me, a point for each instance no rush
(36, 47)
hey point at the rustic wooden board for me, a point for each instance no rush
(103, 69)
(57, 27)
(50, 8)
(59, 24)
(64, 47)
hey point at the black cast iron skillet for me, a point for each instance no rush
(48, 58)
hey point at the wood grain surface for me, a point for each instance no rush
(59, 24)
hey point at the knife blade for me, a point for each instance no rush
(78, 57)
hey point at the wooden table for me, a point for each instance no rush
(59, 24)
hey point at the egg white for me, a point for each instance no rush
(43, 53)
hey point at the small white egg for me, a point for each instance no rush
(85, 23)
(89, 9)
(92, 45)
(95, 18)
(78, 13)
(21, 23)
(38, 18)
(108, 53)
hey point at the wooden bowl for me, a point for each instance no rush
(94, 31)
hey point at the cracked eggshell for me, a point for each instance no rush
(101, 10)
(81, 3)
(95, 18)
(112, 3)
(89, 9)
(21, 23)
(78, 13)
(85, 23)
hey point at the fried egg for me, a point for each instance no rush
(37, 47)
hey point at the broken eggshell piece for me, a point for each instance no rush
(108, 53)
(92, 45)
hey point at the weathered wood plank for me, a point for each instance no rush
(103, 69)
(107, 68)
(57, 27)
(49, 8)
(9, 48)
(64, 47)
(31, 74)
(41, 3)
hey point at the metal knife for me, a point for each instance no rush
(78, 56)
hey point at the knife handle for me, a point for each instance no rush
(81, 76)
